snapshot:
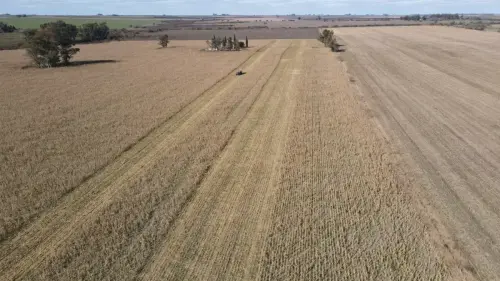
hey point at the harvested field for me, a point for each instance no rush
(193, 173)
(56, 136)
(435, 92)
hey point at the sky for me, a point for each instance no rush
(245, 7)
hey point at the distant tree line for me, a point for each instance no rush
(5, 28)
(445, 17)
(418, 17)
(412, 17)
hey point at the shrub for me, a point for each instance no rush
(164, 41)
(478, 25)
(51, 44)
(242, 45)
(90, 32)
(327, 37)
(117, 35)
(6, 28)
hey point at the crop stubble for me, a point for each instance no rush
(435, 92)
(277, 174)
(60, 126)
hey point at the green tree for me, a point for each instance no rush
(90, 32)
(327, 37)
(51, 44)
(236, 43)
(246, 41)
(6, 28)
(164, 40)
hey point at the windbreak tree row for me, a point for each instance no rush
(226, 44)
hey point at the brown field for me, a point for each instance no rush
(253, 34)
(164, 165)
(61, 126)
(435, 93)
(320, 23)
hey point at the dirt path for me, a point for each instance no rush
(435, 92)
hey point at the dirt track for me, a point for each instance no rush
(435, 92)
(274, 175)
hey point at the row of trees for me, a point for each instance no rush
(227, 43)
(53, 43)
(90, 32)
(327, 37)
(5, 28)
(445, 17)
(418, 17)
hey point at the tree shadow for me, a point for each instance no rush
(72, 64)
(169, 47)
(88, 62)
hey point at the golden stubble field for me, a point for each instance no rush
(61, 126)
(164, 165)
(435, 93)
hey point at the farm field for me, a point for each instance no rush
(133, 169)
(113, 22)
(58, 135)
(11, 40)
(261, 34)
(435, 92)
